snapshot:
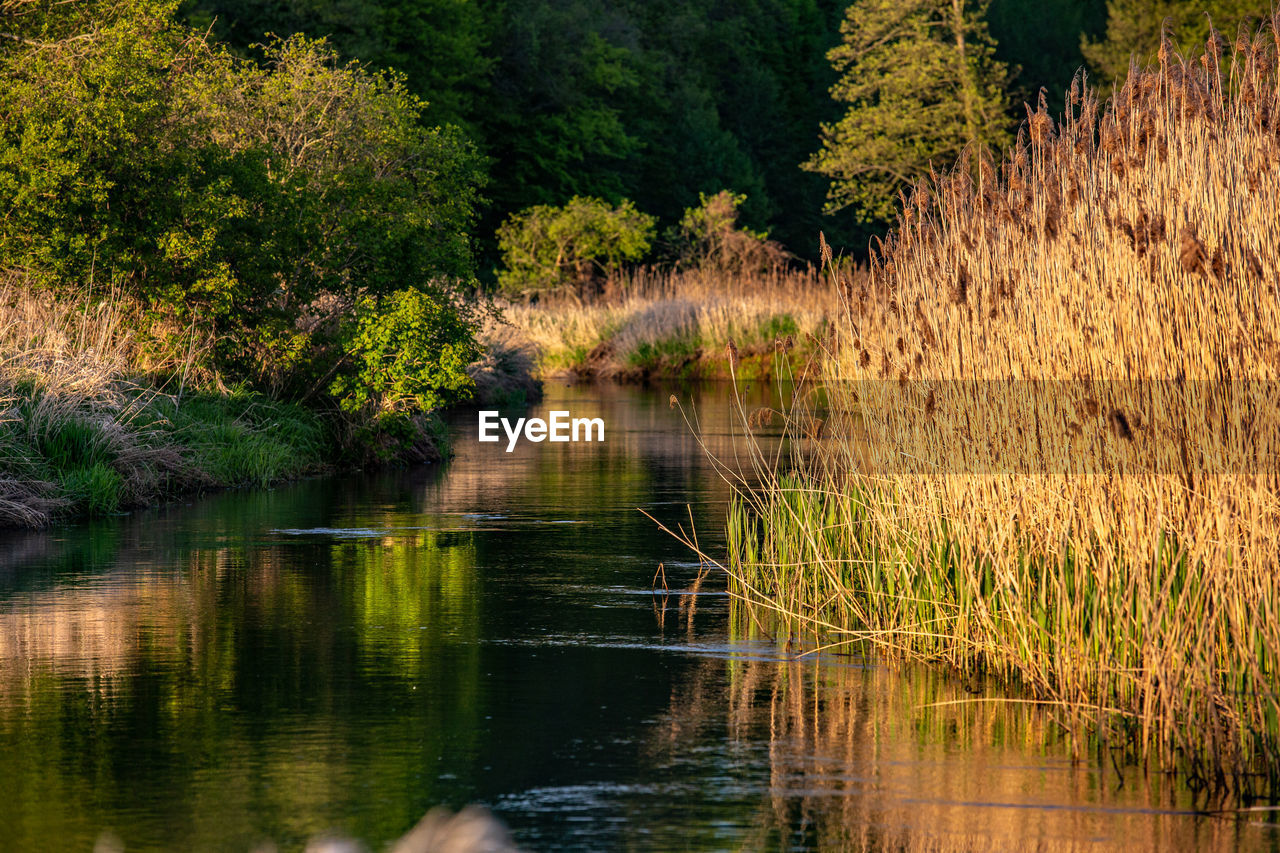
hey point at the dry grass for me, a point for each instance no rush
(62, 389)
(505, 373)
(1107, 536)
(673, 323)
(85, 430)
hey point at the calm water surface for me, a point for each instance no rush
(340, 655)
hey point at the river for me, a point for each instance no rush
(342, 654)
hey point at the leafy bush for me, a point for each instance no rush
(268, 206)
(546, 248)
(709, 237)
(409, 353)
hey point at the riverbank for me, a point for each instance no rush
(678, 325)
(1105, 536)
(94, 422)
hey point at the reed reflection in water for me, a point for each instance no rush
(342, 655)
(866, 757)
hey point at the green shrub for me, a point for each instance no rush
(709, 237)
(265, 205)
(546, 248)
(407, 352)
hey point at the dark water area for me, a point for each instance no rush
(342, 654)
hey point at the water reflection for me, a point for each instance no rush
(340, 655)
(237, 693)
(868, 758)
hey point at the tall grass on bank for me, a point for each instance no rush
(1112, 542)
(651, 323)
(84, 432)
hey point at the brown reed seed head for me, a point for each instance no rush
(1108, 207)
(1191, 252)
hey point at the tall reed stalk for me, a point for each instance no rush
(1051, 424)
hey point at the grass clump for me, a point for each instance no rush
(1051, 426)
(243, 439)
(674, 323)
(79, 437)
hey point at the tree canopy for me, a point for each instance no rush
(922, 85)
(280, 208)
(661, 101)
(1134, 26)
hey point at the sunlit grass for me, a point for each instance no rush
(654, 323)
(85, 429)
(1131, 244)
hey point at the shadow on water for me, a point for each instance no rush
(340, 655)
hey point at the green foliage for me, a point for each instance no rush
(76, 453)
(242, 438)
(922, 86)
(663, 353)
(778, 326)
(81, 117)
(73, 443)
(654, 101)
(1133, 29)
(67, 457)
(709, 236)
(660, 101)
(359, 199)
(259, 204)
(409, 352)
(439, 45)
(545, 248)
(1040, 42)
(95, 490)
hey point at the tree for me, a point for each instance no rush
(709, 237)
(352, 196)
(1134, 26)
(280, 209)
(650, 100)
(545, 247)
(439, 45)
(1045, 54)
(921, 85)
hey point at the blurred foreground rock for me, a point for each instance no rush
(472, 830)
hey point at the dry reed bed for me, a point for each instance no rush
(652, 322)
(1111, 543)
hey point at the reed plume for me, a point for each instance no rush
(1074, 483)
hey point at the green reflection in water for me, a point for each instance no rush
(344, 654)
(265, 691)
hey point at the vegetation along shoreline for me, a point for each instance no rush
(1103, 539)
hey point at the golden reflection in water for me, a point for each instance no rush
(647, 440)
(874, 758)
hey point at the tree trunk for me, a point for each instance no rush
(966, 77)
